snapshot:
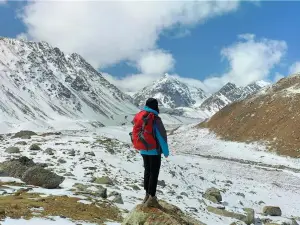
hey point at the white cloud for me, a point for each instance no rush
(3, 1)
(107, 32)
(133, 82)
(22, 36)
(250, 59)
(277, 77)
(295, 68)
(155, 62)
(152, 65)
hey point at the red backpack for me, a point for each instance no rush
(143, 137)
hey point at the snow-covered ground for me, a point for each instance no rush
(198, 161)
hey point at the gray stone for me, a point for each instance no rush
(103, 180)
(39, 176)
(62, 161)
(72, 152)
(272, 211)
(24, 133)
(21, 143)
(118, 199)
(49, 151)
(247, 218)
(12, 150)
(161, 183)
(213, 195)
(35, 147)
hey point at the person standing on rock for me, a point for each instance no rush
(149, 137)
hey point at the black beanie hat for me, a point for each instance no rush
(152, 103)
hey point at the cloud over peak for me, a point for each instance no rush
(107, 32)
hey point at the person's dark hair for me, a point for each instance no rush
(152, 103)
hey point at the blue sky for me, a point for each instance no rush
(195, 55)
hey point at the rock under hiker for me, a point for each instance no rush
(149, 137)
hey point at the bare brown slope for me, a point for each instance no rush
(272, 115)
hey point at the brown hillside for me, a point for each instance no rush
(272, 115)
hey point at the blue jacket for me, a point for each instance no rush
(161, 136)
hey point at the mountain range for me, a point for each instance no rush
(41, 86)
(177, 95)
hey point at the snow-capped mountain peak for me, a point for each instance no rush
(230, 93)
(39, 83)
(171, 93)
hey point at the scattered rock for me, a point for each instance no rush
(72, 152)
(12, 150)
(61, 160)
(30, 173)
(135, 187)
(90, 153)
(81, 187)
(213, 195)
(247, 218)
(118, 199)
(33, 153)
(24, 134)
(21, 143)
(35, 147)
(93, 168)
(49, 151)
(184, 194)
(261, 202)
(240, 194)
(170, 215)
(272, 211)
(51, 133)
(69, 174)
(101, 192)
(161, 183)
(103, 180)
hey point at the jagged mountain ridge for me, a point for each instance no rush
(41, 83)
(177, 97)
(228, 94)
(171, 93)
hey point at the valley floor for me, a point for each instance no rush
(247, 175)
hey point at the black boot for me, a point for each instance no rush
(146, 198)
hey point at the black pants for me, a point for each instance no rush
(152, 167)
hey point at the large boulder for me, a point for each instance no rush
(24, 134)
(213, 194)
(169, 215)
(247, 217)
(12, 150)
(272, 211)
(30, 172)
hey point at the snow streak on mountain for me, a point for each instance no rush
(40, 83)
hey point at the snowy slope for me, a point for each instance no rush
(40, 86)
(171, 93)
(247, 175)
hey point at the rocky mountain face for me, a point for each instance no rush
(40, 83)
(171, 93)
(271, 115)
(179, 98)
(229, 93)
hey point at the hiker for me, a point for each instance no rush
(149, 137)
